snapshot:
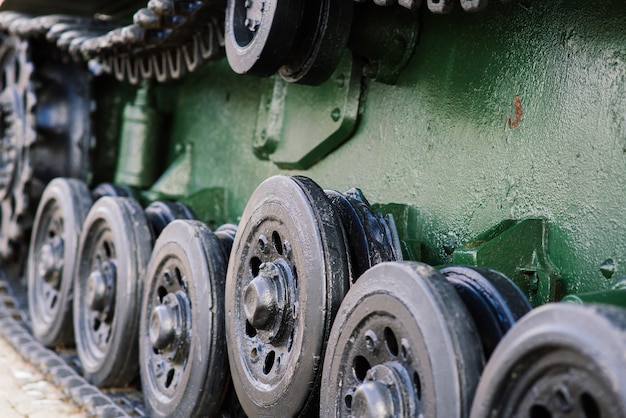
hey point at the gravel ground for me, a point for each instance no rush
(24, 392)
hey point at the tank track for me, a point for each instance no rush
(18, 103)
(167, 39)
(61, 367)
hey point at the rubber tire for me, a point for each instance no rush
(206, 375)
(74, 201)
(128, 225)
(597, 333)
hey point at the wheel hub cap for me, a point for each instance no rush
(51, 259)
(99, 286)
(261, 298)
(162, 326)
(382, 392)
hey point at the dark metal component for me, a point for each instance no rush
(121, 49)
(387, 390)
(372, 237)
(113, 254)
(386, 52)
(226, 233)
(320, 45)
(182, 350)
(100, 289)
(50, 140)
(17, 134)
(14, 329)
(402, 344)
(52, 257)
(561, 360)
(288, 273)
(63, 121)
(9, 125)
(494, 301)
(259, 34)
(161, 212)
(112, 190)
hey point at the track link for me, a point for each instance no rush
(61, 367)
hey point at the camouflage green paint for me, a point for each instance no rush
(512, 113)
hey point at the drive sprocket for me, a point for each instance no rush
(17, 134)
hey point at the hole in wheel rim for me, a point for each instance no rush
(417, 383)
(348, 401)
(539, 411)
(107, 249)
(391, 342)
(250, 330)
(278, 242)
(161, 292)
(179, 276)
(255, 266)
(589, 405)
(360, 367)
(169, 378)
(269, 362)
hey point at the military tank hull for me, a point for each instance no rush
(331, 208)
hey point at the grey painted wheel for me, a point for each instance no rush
(183, 361)
(114, 251)
(560, 360)
(402, 345)
(259, 34)
(287, 274)
(52, 257)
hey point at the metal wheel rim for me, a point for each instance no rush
(565, 349)
(52, 256)
(187, 265)
(114, 249)
(171, 280)
(273, 368)
(389, 318)
(99, 248)
(559, 388)
(48, 292)
(260, 51)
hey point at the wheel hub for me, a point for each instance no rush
(100, 285)
(382, 393)
(164, 323)
(263, 301)
(566, 392)
(51, 259)
(254, 14)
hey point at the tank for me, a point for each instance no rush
(317, 208)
